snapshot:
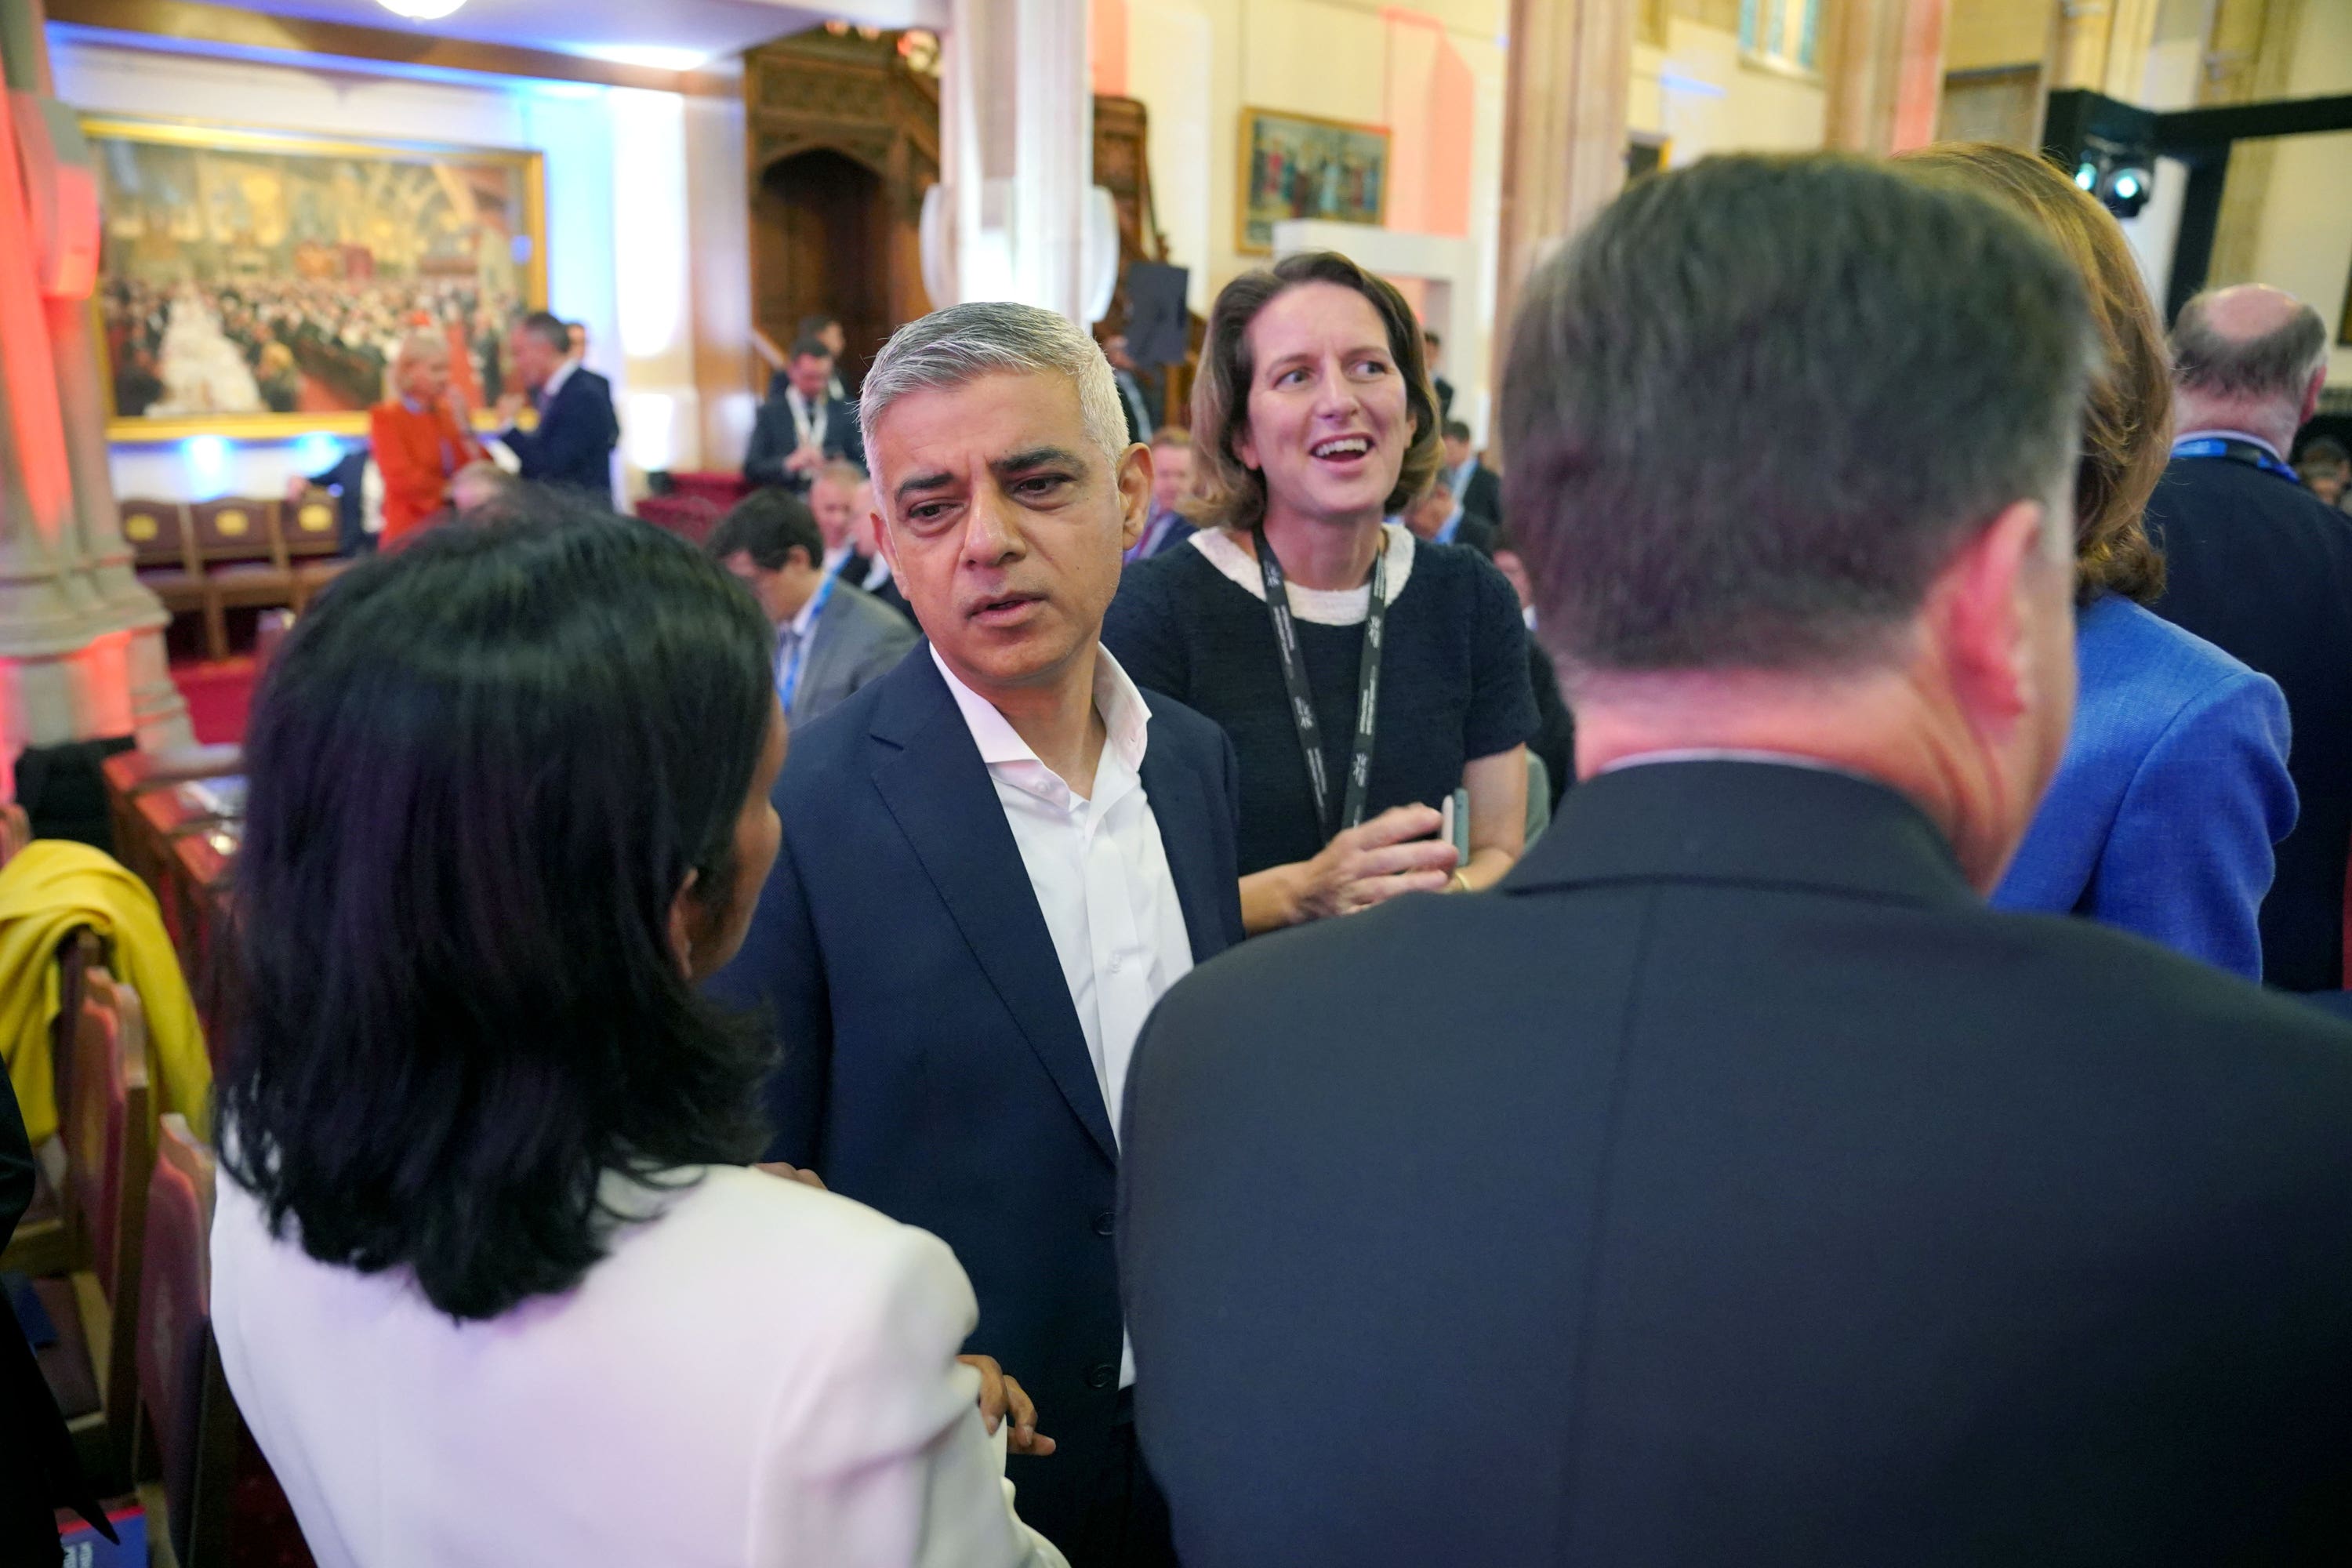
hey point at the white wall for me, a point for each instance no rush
(607, 214)
(1701, 94)
(2305, 239)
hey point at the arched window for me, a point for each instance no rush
(1782, 32)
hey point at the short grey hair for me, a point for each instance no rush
(2279, 364)
(965, 342)
(424, 342)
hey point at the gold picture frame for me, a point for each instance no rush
(1347, 163)
(252, 281)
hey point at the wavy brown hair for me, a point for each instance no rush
(2127, 429)
(1233, 494)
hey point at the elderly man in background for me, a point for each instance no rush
(420, 437)
(1730, 1186)
(1171, 482)
(577, 430)
(803, 427)
(2262, 568)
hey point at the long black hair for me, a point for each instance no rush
(480, 770)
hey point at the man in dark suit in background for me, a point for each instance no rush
(995, 860)
(1730, 1186)
(577, 430)
(2263, 569)
(1478, 487)
(801, 428)
(1171, 483)
(1432, 349)
(832, 638)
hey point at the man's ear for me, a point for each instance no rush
(883, 540)
(1133, 476)
(2311, 397)
(1981, 608)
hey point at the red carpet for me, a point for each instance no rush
(217, 696)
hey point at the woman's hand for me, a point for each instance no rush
(1365, 865)
(1000, 1395)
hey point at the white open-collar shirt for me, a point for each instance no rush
(1100, 872)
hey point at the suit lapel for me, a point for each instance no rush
(1180, 807)
(938, 790)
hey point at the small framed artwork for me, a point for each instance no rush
(1298, 166)
(256, 282)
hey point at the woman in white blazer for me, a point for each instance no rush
(491, 1281)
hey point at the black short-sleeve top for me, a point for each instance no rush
(1454, 675)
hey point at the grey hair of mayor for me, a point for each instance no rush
(963, 343)
(2278, 363)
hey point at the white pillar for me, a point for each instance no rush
(1016, 133)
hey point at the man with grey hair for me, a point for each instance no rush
(2257, 565)
(995, 860)
(1730, 1186)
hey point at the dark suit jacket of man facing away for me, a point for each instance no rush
(934, 1065)
(774, 437)
(2262, 569)
(1732, 1187)
(573, 442)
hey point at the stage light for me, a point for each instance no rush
(421, 10)
(2087, 177)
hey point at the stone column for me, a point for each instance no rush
(1570, 63)
(1016, 134)
(1884, 74)
(81, 651)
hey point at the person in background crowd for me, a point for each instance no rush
(1313, 422)
(484, 492)
(1733, 1186)
(419, 437)
(1141, 423)
(2260, 567)
(801, 429)
(832, 501)
(826, 330)
(2324, 467)
(1432, 349)
(831, 637)
(572, 444)
(866, 540)
(491, 1280)
(1514, 568)
(996, 858)
(1171, 486)
(358, 488)
(1437, 518)
(38, 1471)
(2174, 785)
(1478, 487)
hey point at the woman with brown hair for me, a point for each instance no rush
(1364, 677)
(2174, 785)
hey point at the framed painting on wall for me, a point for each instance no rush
(255, 283)
(1296, 165)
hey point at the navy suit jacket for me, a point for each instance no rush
(775, 438)
(2260, 568)
(933, 1065)
(574, 441)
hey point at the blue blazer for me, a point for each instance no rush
(576, 434)
(2173, 789)
(932, 1063)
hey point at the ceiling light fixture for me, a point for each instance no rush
(421, 10)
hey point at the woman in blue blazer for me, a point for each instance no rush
(2174, 785)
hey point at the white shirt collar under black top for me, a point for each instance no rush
(2246, 436)
(1099, 872)
(1321, 606)
(555, 382)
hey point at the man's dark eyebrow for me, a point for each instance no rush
(923, 482)
(1036, 457)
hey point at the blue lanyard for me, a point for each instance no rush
(2244, 452)
(789, 682)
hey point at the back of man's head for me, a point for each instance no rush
(2249, 345)
(1878, 370)
(768, 525)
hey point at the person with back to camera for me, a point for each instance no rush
(1295, 615)
(2175, 784)
(491, 1281)
(1731, 1188)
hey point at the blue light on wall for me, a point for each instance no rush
(206, 459)
(315, 453)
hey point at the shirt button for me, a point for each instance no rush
(1106, 1222)
(1116, 963)
(1102, 1375)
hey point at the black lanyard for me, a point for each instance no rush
(1302, 701)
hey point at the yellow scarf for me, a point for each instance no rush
(52, 886)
